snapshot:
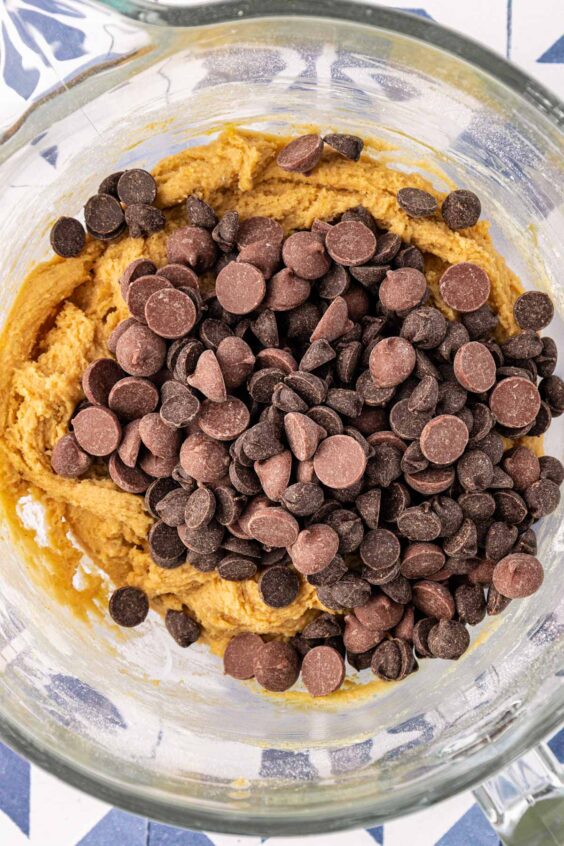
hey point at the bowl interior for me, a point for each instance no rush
(162, 730)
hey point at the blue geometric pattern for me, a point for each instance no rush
(554, 54)
(473, 828)
(43, 42)
(14, 788)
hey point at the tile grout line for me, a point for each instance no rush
(509, 28)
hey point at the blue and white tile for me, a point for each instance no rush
(537, 40)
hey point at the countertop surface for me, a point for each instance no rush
(35, 808)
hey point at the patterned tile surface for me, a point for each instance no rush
(35, 808)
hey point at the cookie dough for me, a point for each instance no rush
(63, 316)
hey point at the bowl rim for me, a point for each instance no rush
(143, 801)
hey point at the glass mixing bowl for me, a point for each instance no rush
(160, 731)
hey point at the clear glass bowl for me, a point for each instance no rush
(161, 731)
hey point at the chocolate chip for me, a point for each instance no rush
(477, 506)
(261, 442)
(391, 361)
(236, 361)
(171, 507)
(204, 459)
(546, 360)
(324, 626)
(136, 186)
(68, 459)
(331, 574)
(208, 377)
(129, 606)
(193, 246)
(533, 310)
(170, 313)
(67, 237)
(142, 220)
(303, 498)
(335, 283)
(421, 560)
(552, 392)
(474, 367)
(204, 540)
(385, 465)
(318, 353)
(161, 439)
(103, 216)
(200, 213)
(515, 402)
(524, 345)
(347, 402)
(276, 666)
(470, 604)
(240, 655)
(235, 568)
(392, 660)
(240, 287)
(379, 548)
(339, 461)
(349, 529)
(323, 670)
(140, 352)
(182, 627)
(518, 575)
(262, 383)
(368, 506)
(542, 421)
(244, 479)
(448, 639)
(464, 542)
(278, 586)
(481, 323)
(417, 203)
(348, 146)
(510, 507)
(305, 255)
(452, 398)
(461, 209)
(109, 184)
(224, 421)
(421, 631)
(380, 613)
(465, 286)
(419, 523)
(551, 468)
(97, 430)
(425, 395)
(351, 592)
(274, 527)
(130, 445)
(542, 497)
(496, 603)
(443, 439)
(314, 548)
(199, 508)
(431, 481)
(165, 544)
(434, 600)
(179, 406)
(500, 539)
(410, 257)
(475, 470)
(311, 388)
(408, 424)
(334, 322)
(350, 243)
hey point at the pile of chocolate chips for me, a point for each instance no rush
(124, 203)
(315, 418)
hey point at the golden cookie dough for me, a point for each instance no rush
(62, 318)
